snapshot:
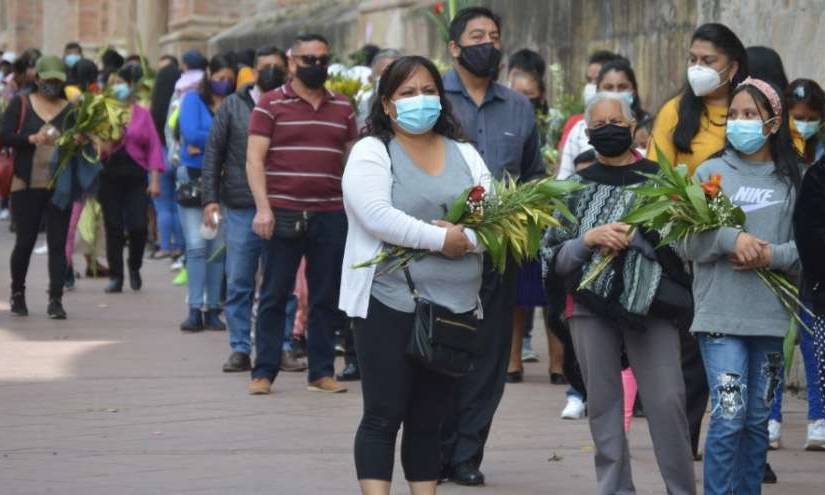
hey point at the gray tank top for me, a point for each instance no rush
(453, 283)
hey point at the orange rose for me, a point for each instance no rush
(713, 186)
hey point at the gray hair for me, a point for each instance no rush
(627, 112)
(385, 54)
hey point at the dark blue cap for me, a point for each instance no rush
(194, 60)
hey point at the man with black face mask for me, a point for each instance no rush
(501, 123)
(299, 137)
(226, 193)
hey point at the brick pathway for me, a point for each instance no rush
(117, 401)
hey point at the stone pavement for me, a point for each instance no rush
(116, 400)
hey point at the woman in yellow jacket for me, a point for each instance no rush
(691, 127)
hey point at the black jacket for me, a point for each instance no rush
(224, 161)
(809, 232)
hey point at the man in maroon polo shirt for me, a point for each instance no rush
(299, 136)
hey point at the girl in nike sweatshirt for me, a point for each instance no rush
(739, 322)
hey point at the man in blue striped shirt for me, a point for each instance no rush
(501, 124)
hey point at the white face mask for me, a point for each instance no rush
(703, 80)
(589, 92)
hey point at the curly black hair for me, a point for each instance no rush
(379, 124)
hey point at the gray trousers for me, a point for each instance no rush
(654, 358)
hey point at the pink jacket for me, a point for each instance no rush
(142, 142)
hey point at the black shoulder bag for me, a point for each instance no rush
(442, 341)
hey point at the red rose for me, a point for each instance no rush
(438, 7)
(476, 194)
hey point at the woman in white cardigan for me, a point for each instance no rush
(397, 184)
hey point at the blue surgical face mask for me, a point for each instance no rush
(807, 129)
(746, 135)
(71, 59)
(625, 95)
(121, 91)
(418, 114)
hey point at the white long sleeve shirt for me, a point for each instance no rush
(577, 143)
(373, 221)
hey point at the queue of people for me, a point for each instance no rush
(267, 188)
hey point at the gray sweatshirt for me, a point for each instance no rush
(739, 303)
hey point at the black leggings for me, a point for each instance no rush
(28, 208)
(125, 208)
(396, 391)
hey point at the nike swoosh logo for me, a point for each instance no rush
(759, 206)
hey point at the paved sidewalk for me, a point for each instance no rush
(116, 400)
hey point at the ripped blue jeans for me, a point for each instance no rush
(744, 374)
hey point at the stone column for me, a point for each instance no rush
(193, 22)
(59, 25)
(152, 23)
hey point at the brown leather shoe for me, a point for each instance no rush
(292, 363)
(327, 385)
(260, 386)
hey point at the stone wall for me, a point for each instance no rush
(794, 28)
(652, 33)
(22, 24)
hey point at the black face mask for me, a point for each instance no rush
(50, 89)
(313, 76)
(611, 140)
(481, 60)
(270, 78)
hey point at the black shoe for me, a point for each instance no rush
(351, 373)
(18, 304)
(557, 379)
(71, 281)
(194, 323)
(212, 320)
(55, 309)
(769, 478)
(237, 362)
(467, 474)
(115, 286)
(515, 376)
(135, 282)
(638, 409)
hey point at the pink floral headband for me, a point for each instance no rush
(767, 91)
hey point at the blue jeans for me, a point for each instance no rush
(744, 374)
(289, 325)
(205, 270)
(806, 346)
(243, 253)
(323, 246)
(169, 229)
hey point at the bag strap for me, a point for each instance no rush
(410, 283)
(21, 116)
(407, 275)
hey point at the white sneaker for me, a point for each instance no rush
(574, 409)
(816, 435)
(42, 249)
(176, 265)
(4, 214)
(775, 434)
(529, 356)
